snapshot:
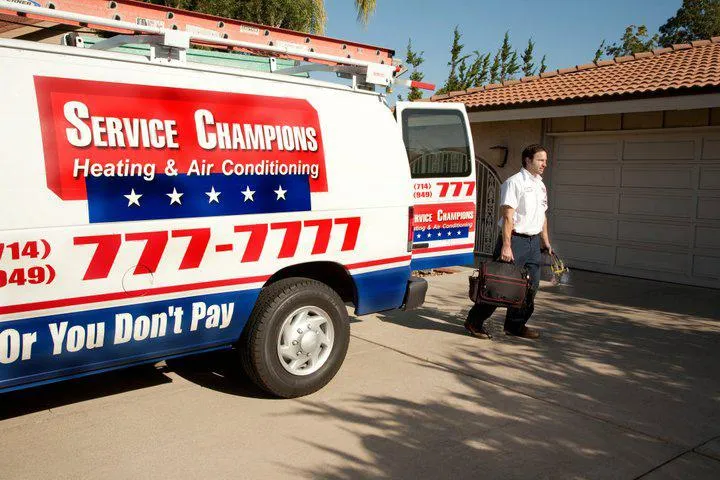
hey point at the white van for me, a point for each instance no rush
(151, 210)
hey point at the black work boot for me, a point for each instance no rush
(524, 332)
(475, 331)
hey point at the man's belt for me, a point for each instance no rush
(524, 235)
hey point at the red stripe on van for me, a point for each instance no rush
(372, 263)
(105, 297)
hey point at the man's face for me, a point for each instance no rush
(537, 165)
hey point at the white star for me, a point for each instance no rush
(133, 198)
(429, 235)
(248, 194)
(439, 234)
(213, 195)
(175, 196)
(450, 234)
(280, 193)
(417, 236)
(459, 232)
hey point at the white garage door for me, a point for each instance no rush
(639, 205)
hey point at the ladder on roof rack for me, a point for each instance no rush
(177, 27)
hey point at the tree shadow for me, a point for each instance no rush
(611, 389)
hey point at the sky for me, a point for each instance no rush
(567, 31)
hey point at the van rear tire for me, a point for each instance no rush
(296, 338)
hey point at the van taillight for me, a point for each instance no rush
(411, 215)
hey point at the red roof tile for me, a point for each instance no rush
(682, 66)
(643, 54)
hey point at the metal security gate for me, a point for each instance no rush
(488, 208)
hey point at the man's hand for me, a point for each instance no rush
(546, 238)
(506, 254)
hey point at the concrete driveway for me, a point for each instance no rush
(624, 383)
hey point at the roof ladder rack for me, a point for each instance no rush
(172, 30)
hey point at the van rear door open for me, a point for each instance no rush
(440, 152)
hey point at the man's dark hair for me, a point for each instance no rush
(529, 152)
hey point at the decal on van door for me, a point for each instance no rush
(198, 153)
(443, 221)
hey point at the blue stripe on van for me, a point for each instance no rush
(71, 343)
(439, 261)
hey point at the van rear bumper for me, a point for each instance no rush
(415, 293)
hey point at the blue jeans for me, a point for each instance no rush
(526, 251)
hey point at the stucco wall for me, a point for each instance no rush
(515, 135)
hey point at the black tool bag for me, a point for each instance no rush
(499, 283)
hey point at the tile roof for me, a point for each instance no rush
(665, 69)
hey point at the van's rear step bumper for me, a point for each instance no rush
(415, 293)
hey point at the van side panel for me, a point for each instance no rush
(102, 266)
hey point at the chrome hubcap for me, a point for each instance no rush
(305, 340)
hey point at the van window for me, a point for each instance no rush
(436, 143)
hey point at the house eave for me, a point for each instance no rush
(688, 99)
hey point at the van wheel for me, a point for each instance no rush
(296, 338)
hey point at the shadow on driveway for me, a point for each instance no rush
(638, 372)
